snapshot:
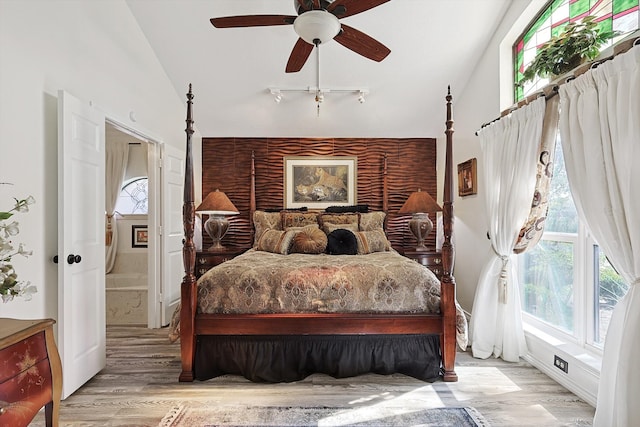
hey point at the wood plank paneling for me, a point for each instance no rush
(411, 165)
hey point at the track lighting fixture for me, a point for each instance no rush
(318, 93)
(277, 95)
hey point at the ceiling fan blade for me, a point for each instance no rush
(344, 8)
(299, 56)
(252, 21)
(362, 44)
(304, 5)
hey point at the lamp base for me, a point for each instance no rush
(216, 227)
(217, 247)
(420, 226)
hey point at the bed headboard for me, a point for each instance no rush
(393, 166)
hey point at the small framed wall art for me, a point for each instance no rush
(139, 236)
(467, 178)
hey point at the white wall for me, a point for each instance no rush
(125, 227)
(96, 51)
(480, 102)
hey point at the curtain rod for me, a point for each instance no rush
(553, 89)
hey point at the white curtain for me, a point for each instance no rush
(508, 177)
(600, 132)
(117, 156)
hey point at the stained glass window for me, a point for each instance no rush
(617, 15)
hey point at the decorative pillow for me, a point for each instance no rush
(342, 242)
(342, 209)
(372, 221)
(302, 209)
(276, 241)
(328, 228)
(309, 240)
(262, 221)
(298, 219)
(324, 219)
(372, 241)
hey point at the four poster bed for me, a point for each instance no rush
(279, 314)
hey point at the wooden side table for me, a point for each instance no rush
(430, 259)
(30, 372)
(207, 259)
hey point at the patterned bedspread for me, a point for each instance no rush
(265, 282)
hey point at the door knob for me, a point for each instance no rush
(55, 259)
(71, 258)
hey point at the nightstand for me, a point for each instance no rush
(207, 259)
(30, 372)
(430, 259)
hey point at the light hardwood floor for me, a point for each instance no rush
(140, 385)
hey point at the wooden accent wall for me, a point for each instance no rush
(411, 164)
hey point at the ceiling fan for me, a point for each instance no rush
(317, 22)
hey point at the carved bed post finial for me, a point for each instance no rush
(188, 292)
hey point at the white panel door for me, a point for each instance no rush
(172, 229)
(81, 237)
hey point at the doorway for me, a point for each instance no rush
(130, 286)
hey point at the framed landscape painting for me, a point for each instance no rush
(319, 182)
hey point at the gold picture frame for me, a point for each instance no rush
(319, 182)
(467, 178)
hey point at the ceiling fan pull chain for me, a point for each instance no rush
(319, 96)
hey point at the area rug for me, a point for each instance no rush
(235, 416)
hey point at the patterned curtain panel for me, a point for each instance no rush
(533, 229)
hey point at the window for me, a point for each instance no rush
(134, 197)
(567, 284)
(609, 289)
(619, 15)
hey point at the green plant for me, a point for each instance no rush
(580, 41)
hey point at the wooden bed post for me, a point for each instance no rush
(385, 188)
(252, 193)
(448, 284)
(188, 292)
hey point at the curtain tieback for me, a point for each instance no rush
(108, 238)
(502, 280)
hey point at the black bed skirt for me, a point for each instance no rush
(286, 358)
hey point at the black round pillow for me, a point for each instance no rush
(342, 242)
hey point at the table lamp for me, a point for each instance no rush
(419, 204)
(218, 206)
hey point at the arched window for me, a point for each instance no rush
(616, 15)
(134, 197)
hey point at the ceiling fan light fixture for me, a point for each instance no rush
(316, 25)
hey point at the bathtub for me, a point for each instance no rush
(126, 291)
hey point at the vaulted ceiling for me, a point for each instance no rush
(434, 43)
